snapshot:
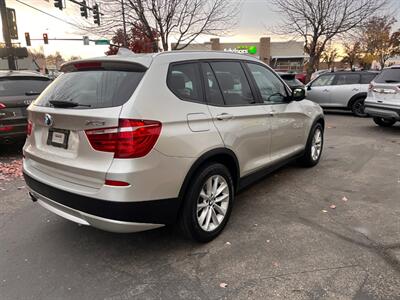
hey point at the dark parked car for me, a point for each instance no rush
(17, 90)
(291, 80)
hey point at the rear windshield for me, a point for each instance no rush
(388, 76)
(92, 89)
(293, 82)
(22, 86)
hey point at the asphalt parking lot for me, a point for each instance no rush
(330, 232)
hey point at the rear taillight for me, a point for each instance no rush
(131, 139)
(6, 128)
(29, 127)
(2, 106)
(116, 183)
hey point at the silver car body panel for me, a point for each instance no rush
(259, 135)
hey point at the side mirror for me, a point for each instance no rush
(298, 94)
(308, 87)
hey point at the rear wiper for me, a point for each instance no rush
(66, 104)
(32, 93)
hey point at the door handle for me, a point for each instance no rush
(325, 90)
(224, 116)
(355, 90)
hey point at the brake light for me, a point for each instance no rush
(131, 139)
(116, 183)
(2, 106)
(88, 65)
(6, 128)
(29, 127)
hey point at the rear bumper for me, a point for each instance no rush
(383, 112)
(102, 214)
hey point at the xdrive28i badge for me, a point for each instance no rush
(48, 120)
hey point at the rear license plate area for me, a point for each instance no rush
(58, 138)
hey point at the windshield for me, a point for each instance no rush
(388, 76)
(91, 89)
(20, 86)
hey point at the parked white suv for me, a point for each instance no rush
(341, 90)
(130, 143)
(383, 101)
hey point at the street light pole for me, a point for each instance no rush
(124, 24)
(6, 35)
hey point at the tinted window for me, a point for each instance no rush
(184, 81)
(92, 89)
(388, 76)
(18, 86)
(233, 83)
(367, 78)
(213, 92)
(323, 80)
(271, 88)
(343, 79)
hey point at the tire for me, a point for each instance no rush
(384, 122)
(357, 107)
(310, 157)
(193, 223)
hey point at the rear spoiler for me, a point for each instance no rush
(113, 65)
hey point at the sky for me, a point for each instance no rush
(256, 19)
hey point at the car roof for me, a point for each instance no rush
(168, 56)
(21, 73)
(353, 72)
(393, 67)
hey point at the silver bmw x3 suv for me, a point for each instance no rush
(135, 142)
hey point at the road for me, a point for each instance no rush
(283, 241)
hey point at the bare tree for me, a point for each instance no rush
(319, 21)
(180, 20)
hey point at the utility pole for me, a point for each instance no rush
(6, 35)
(124, 24)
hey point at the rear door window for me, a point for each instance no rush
(213, 92)
(345, 79)
(388, 76)
(92, 89)
(184, 81)
(22, 85)
(367, 78)
(233, 83)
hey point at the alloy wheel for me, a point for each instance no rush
(316, 144)
(213, 203)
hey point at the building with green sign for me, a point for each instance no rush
(283, 56)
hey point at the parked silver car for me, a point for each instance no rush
(130, 143)
(383, 101)
(341, 90)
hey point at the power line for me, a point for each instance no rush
(46, 13)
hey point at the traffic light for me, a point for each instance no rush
(84, 10)
(46, 38)
(96, 14)
(28, 39)
(59, 4)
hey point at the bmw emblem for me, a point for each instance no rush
(48, 120)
